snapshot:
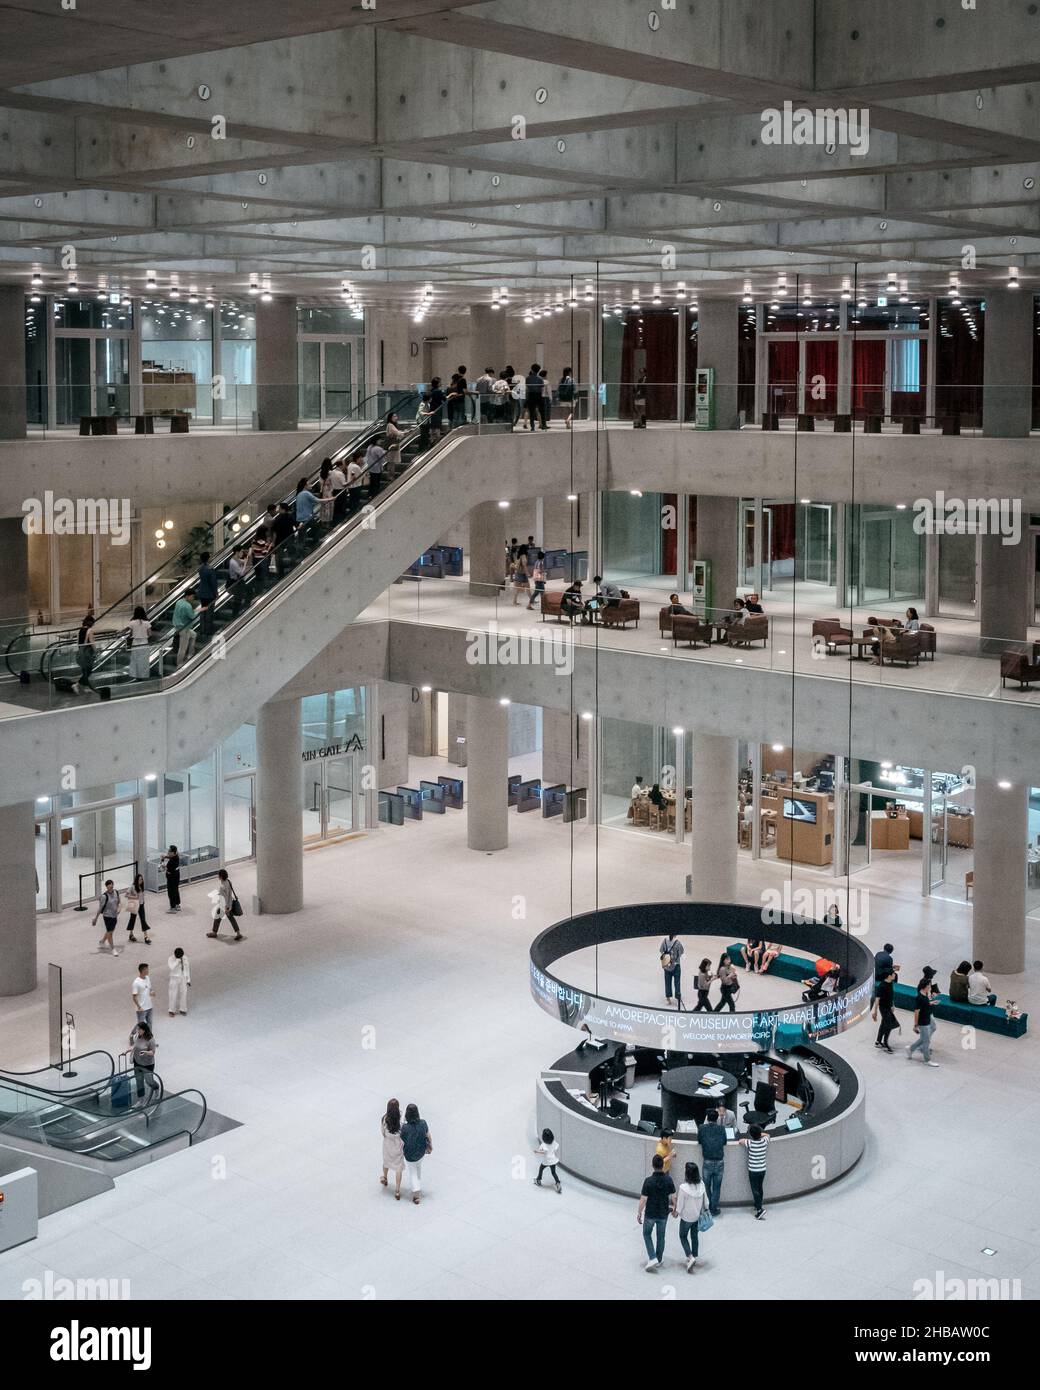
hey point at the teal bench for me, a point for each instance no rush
(989, 1020)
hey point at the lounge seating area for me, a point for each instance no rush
(1018, 666)
(988, 1019)
(619, 615)
(832, 636)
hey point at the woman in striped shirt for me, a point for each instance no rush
(756, 1144)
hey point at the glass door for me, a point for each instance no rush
(342, 810)
(876, 561)
(96, 845)
(239, 818)
(73, 385)
(818, 543)
(338, 384)
(111, 376)
(310, 379)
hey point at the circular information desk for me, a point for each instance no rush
(820, 1138)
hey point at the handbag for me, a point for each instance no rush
(236, 907)
(705, 1221)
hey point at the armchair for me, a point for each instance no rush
(687, 628)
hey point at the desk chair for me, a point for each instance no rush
(651, 1115)
(764, 1105)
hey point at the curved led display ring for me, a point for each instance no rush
(699, 1032)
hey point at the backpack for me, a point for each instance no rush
(519, 389)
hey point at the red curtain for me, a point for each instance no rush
(783, 378)
(657, 338)
(783, 530)
(868, 377)
(821, 360)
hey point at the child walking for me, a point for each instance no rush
(548, 1152)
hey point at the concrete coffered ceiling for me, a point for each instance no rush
(377, 145)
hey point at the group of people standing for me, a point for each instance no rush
(525, 566)
(671, 952)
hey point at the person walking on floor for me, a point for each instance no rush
(108, 911)
(688, 1204)
(180, 981)
(538, 575)
(521, 580)
(712, 1138)
(224, 905)
(730, 982)
(884, 1003)
(393, 1146)
(671, 951)
(548, 1152)
(143, 998)
(757, 1144)
(704, 979)
(415, 1137)
(143, 1046)
(170, 864)
(924, 1025)
(655, 1202)
(133, 901)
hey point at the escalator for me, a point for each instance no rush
(55, 659)
(100, 1120)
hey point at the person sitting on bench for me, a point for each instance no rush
(980, 991)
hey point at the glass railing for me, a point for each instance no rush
(950, 658)
(817, 403)
(90, 1072)
(101, 1129)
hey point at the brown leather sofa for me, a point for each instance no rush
(831, 630)
(1016, 666)
(551, 601)
(906, 647)
(753, 629)
(621, 614)
(927, 636)
(686, 627)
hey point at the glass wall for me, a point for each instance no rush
(177, 358)
(238, 362)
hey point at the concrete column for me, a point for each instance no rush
(998, 929)
(390, 756)
(1005, 589)
(277, 370)
(422, 723)
(718, 541)
(279, 807)
(487, 339)
(487, 549)
(565, 749)
(1007, 355)
(1005, 571)
(18, 913)
(487, 744)
(714, 836)
(717, 341)
(12, 362)
(457, 730)
(14, 571)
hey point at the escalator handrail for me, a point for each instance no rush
(15, 1076)
(161, 643)
(343, 422)
(188, 1090)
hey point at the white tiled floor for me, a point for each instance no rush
(406, 975)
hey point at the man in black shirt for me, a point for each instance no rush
(711, 1136)
(282, 527)
(883, 961)
(883, 1003)
(924, 1026)
(535, 386)
(655, 1204)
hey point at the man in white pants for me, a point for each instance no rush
(180, 981)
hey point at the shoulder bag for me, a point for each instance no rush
(236, 906)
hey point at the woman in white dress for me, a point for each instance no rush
(393, 1146)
